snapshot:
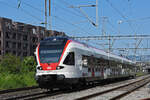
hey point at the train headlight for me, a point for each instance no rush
(39, 68)
(59, 67)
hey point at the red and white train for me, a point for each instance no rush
(63, 61)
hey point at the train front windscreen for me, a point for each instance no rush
(50, 50)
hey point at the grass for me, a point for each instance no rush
(17, 73)
(11, 81)
(140, 73)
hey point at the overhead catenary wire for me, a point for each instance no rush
(67, 22)
(145, 18)
(35, 17)
(124, 17)
(69, 11)
(33, 7)
(24, 11)
(80, 11)
(69, 5)
(138, 19)
(130, 8)
(113, 27)
(60, 7)
(55, 16)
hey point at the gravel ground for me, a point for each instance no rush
(74, 95)
(137, 95)
(20, 93)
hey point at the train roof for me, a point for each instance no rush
(55, 37)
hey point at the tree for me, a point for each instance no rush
(29, 64)
(10, 64)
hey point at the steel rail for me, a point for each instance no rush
(17, 89)
(130, 91)
(35, 96)
(49, 93)
(39, 95)
(146, 99)
(107, 91)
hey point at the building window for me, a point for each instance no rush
(7, 44)
(14, 52)
(31, 53)
(70, 59)
(21, 28)
(19, 36)
(8, 51)
(14, 45)
(0, 44)
(19, 53)
(14, 36)
(34, 39)
(0, 33)
(34, 47)
(24, 54)
(7, 36)
(25, 46)
(19, 46)
(25, 37)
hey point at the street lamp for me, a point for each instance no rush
(119, 22)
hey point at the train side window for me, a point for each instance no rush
(70, 59)
(85, 61)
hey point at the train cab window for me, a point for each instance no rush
(70, 59)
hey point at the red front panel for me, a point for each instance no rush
(51, 66)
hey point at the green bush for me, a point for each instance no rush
(10, 64)
(29, 79)
(9, 81)
(17, 73)
(29, 64)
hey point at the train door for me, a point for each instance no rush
(78, 60)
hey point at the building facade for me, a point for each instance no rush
(21, 39)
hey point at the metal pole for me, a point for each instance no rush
(103, 25)
(45, 14)
(50, 18)
(109, 49)
(97, 14)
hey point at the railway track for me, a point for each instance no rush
(31, 93)
(34, 96)
(128, 88)
(17, 89)
(28, 93)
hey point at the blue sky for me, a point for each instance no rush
(74, 23)
(133, 14)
